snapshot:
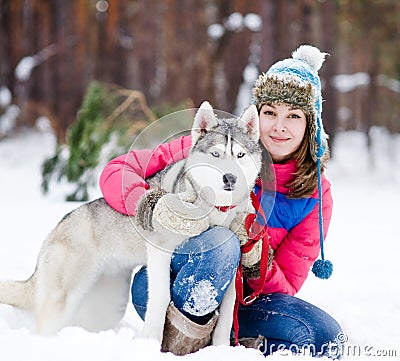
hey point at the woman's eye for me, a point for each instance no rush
(241, 155)
(269, 112)
(215, 154)
(294, 116)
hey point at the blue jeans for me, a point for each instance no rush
(289, 323)
(201, 270)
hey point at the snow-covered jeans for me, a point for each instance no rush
(201, 270)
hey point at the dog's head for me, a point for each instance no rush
(225, 157)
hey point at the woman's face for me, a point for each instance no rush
(282, 130)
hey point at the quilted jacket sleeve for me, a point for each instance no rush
(297, 252)
(123, 180)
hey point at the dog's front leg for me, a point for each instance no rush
(158, 273)
(222, 331)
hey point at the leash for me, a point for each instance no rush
(255, 233)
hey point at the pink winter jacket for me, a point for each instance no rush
(293, 224)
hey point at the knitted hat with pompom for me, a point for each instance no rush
(295, 81)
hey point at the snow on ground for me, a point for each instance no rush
(363, 244)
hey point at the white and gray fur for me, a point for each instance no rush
(84, 267)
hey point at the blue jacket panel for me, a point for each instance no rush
(281, 211)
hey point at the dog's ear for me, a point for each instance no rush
(204, 120)
(249, 122)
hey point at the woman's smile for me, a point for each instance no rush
(279, 139)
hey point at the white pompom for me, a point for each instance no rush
(311, 55)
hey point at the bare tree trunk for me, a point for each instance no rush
(6, 77)
(146, 56)
(371, 97)
(268, 31)
(306, 10)
(329, 16)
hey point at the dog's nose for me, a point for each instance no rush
(229, 180)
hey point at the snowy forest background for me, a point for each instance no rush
(70, 68)
(181, 52)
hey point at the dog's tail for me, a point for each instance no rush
(18, 294)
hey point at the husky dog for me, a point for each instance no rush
(83, 273)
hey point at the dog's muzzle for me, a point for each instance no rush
(229, 180)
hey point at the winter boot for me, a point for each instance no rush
(183, 336)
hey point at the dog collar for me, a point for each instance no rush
(224, 208)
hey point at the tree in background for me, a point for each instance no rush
(106, 123)
(371, 33)
(176, 51)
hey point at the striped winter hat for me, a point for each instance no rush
(295, 81)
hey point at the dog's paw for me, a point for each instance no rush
(151, 335)
(219, 338)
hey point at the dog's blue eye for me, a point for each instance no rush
(240, 155)
(215, 154)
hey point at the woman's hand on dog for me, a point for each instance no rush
(160, 211)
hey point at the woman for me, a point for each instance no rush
(288, 97)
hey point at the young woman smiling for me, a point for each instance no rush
(293, 194)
